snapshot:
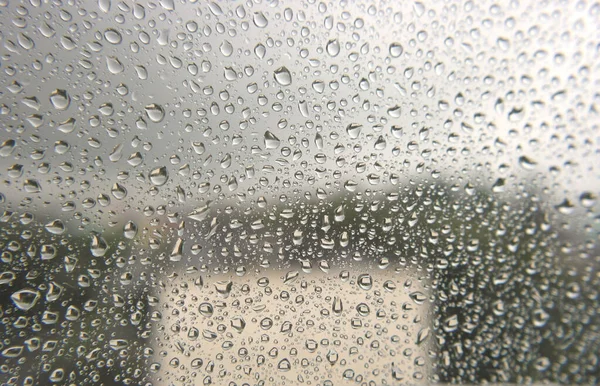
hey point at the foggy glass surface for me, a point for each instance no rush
(299, 192)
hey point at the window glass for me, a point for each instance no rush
(270, 192)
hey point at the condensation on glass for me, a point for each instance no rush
(299, 192)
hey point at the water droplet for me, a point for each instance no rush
(260, 20)
(114, 65)
(226, 48)
(389, 286)
(32, 186)
(130, 230)
(353, 130)
(118, 191)
(206, 309)
(260, 51)
(363, 309)
(104, 5)
(98, 246)
(333, 47)
(418, 297)
(527, 163)
(394, 112)
(215, 9)
(159, 176)
(337, 307)
(224, 287)
(238, 324)
(177, 251)
(113, 36)
(67, 126)
(396, 50)
(60, 99)
(25, 299)
(154, 112)
(271, 141)
(282, 76)
(284, 365)
(55, 227)
(365, 281)
(587, 199)
(7, 147)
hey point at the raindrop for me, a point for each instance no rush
(271, 141)
(114, 65)
(113, 36)
(159, 176)
(333, 47)
(60, 100)
(282, 76)
(154, 112)
(25, 299)
(7, 147)
(206, 309)
(396, 50)
(260, 20)
(365, 281)
(55, 227)
(353, 130)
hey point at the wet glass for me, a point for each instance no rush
(285, 193)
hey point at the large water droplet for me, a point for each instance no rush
(25, 299)
(55, 227)
(226, 48)
(365, 281)
(113, 36)
(260, 20)
(282, 76)
(396, 50)
(206, 309)
(333, 47)
(353, 130)
(284, 365)
(98, 246)
(155, 112)
(130, 230)
(159, 176)
(271, 141)
(7, 147)
(114, 65)
(60, 99)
